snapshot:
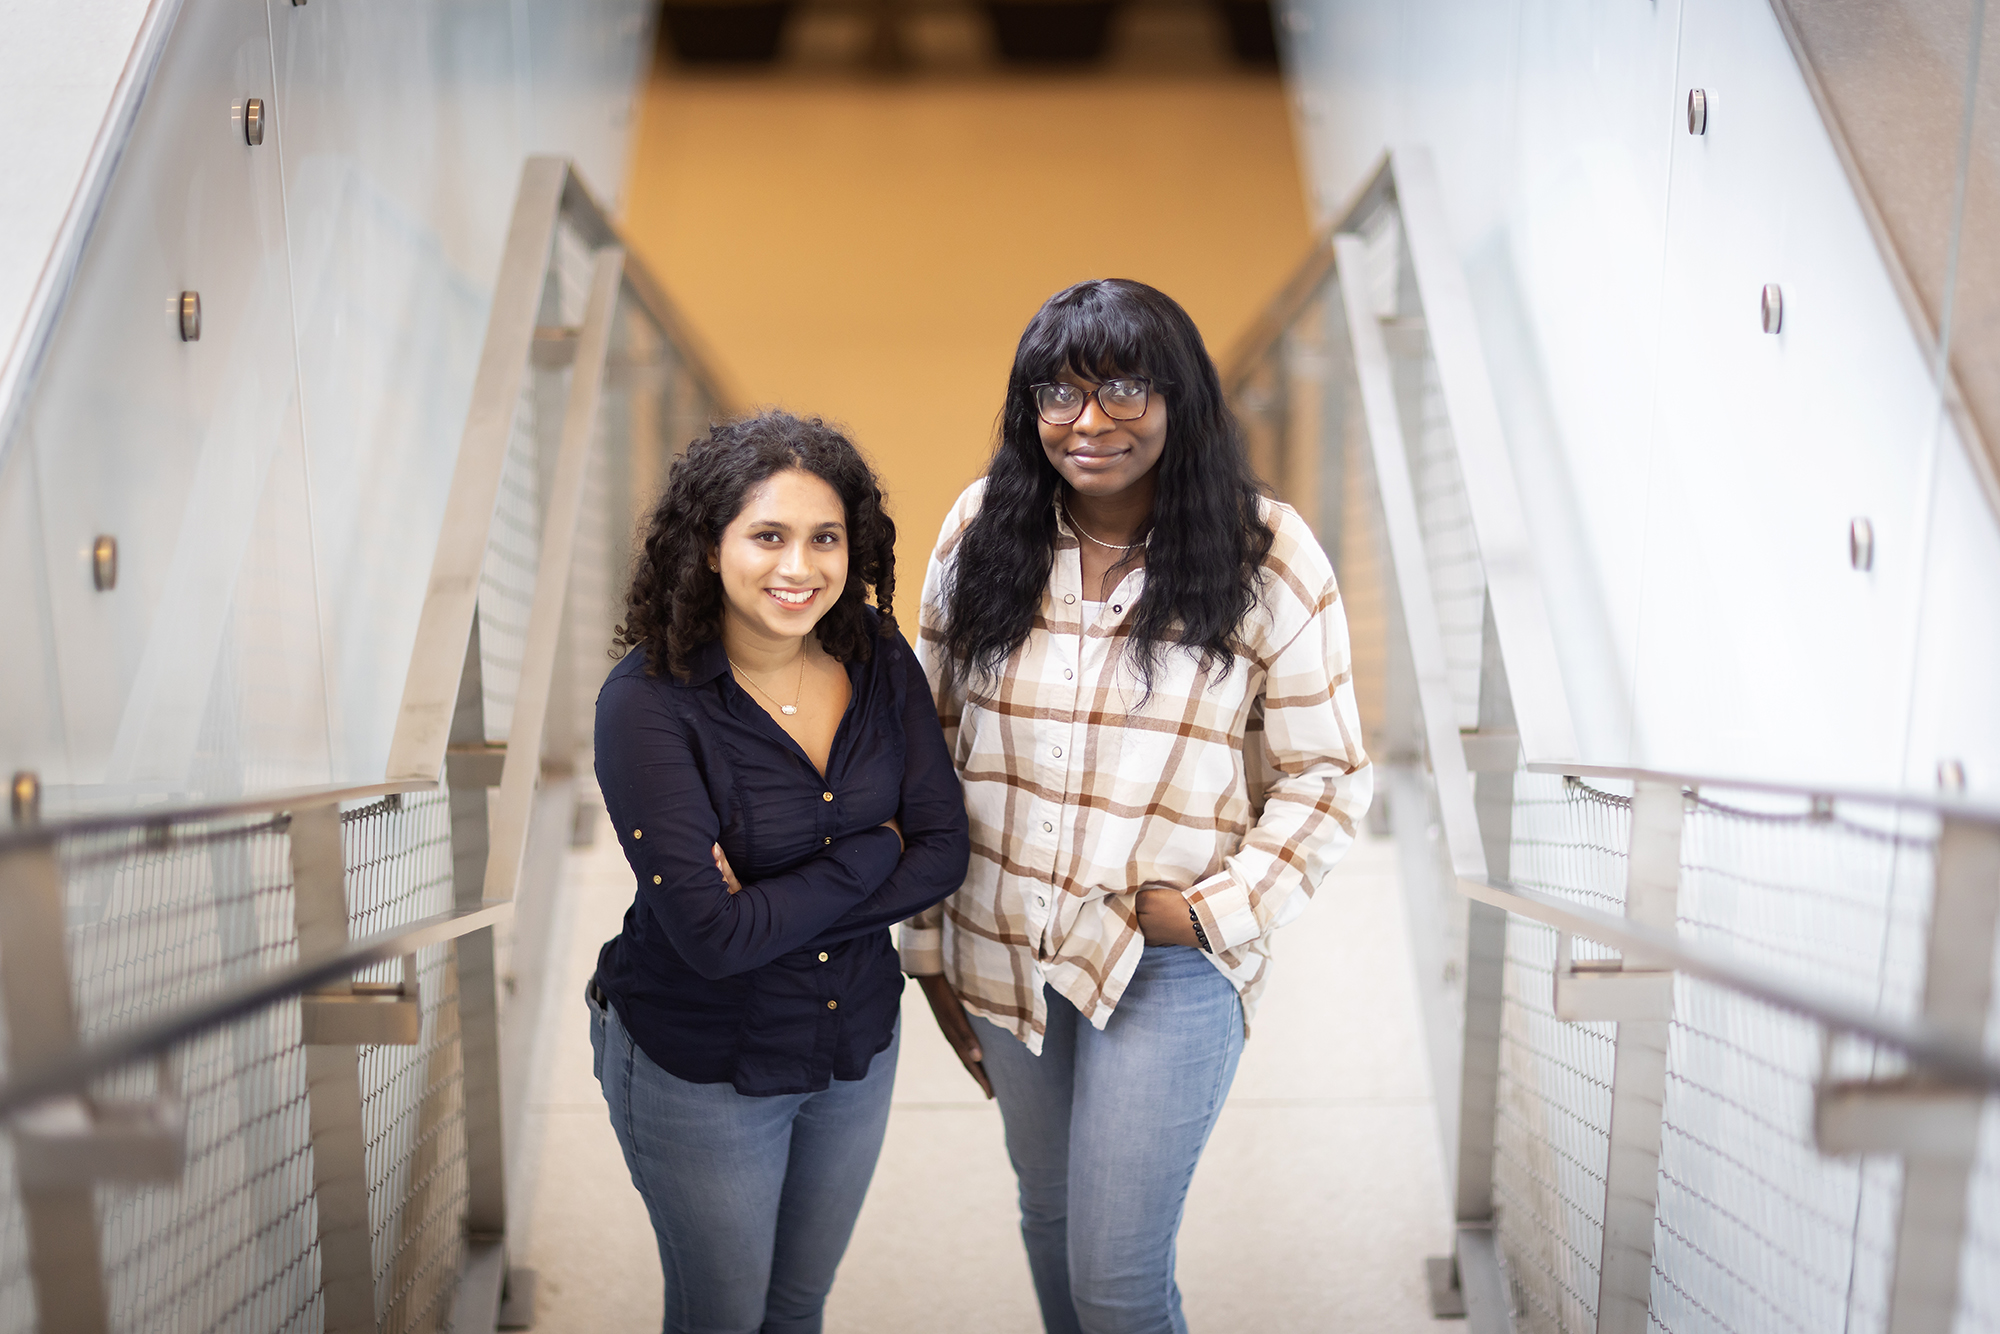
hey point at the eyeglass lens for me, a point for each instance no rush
(1121, 400)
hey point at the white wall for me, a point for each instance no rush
(275, 488)
(1689, 479)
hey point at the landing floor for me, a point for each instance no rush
(1314, 1206)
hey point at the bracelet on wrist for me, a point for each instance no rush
(1201, 936)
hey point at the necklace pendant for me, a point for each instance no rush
(788, 709)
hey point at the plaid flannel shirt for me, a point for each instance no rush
(1241, 792)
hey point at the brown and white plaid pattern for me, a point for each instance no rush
(1240, 792)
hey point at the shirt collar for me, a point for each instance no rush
(1065, 535)
(705, 664)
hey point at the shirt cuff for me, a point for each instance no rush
(922, 948)
(1222, 904)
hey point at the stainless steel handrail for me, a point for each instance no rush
(1948, 805)
(1393, 182)
(38, 832)
(435, 709)
(1936, 1049)
(72, 1074)
(1950, 1066)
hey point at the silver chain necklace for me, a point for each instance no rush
(787, 709)
(1070, 519)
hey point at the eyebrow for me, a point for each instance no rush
(780, 526)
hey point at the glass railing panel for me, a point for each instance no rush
(1771, 438)
(400, 145)
(200, 669)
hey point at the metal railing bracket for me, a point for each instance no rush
(76, 1141)
(1912, 1115)
(554, 347)
(475, 765)
(364, 1014)
(1492, 752)
(1600, 990)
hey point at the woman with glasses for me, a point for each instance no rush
(1142, 669)
(772, 762)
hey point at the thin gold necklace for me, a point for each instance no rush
(1070, 519)
(787, 709)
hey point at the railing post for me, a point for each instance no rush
(1937, 1168)
(1485, 994)
(1639, 1071)
(65, 1258)
(478, 981)
(333, 1087)
(1468, 1283)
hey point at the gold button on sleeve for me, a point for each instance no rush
(656, 880)
(638, 833)
(822, 956)
(833, 1005)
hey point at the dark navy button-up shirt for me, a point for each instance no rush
(793, 981)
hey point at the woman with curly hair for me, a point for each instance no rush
(772, 762)
(1142, 668)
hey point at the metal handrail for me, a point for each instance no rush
(73, 1073)
(1950, 1070)
(596, 227)
(1923, 1044)
(1947, 805)
(1936, 1049)
(41, 831)
(443, 690)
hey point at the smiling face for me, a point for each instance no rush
(783, 559)
(1102, 458)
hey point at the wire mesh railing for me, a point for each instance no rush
(1553, 1134)
(1735, 1079)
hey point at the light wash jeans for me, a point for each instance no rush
(1105, 1128)
(752, 1199)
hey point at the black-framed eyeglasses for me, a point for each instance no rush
(1122, 400)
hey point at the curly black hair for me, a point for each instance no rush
(674, 604)
(1208, 539)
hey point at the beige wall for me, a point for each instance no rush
(870, 251)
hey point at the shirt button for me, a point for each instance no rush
(1115, 608)
(1069, 597)
(1058, 752)
(833, 1005)
(822, 956)
(1048, 828)
(1041, 902)
(826, 796)
(1068, 675)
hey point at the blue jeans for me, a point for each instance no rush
(1105, 1128)
(752, 1199)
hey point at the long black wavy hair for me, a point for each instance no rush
(1207, 539)
(674, 604)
